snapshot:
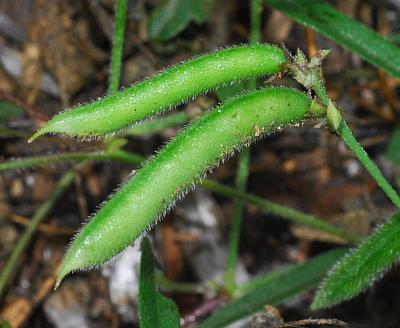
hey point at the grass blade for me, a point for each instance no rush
(347, 32)
(169, 19)
(274, 289)
(9, 111)
(155, 310)
(358, 270)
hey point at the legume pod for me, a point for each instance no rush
(166, 90)
(165, 178)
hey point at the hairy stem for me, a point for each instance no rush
(243, 166)
(351, 142)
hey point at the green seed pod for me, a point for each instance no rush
(183, 161)
(166, 90)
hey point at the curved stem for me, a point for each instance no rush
(351, 142)
(243, 166)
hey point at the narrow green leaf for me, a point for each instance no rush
(4, 324)
(202, 9)
(393, 150)
(155, 310)
(274, 289)
(170, 19)
(324, 18)
(9, 111)
(362, 266)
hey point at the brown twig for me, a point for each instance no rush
(43, 227)
(201, 311)
(310, 39)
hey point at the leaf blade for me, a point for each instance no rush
(9, 111)
(358, 269)
(169, 19)
(393, 150)
(155, 310)
(347, 32)
(274, 289)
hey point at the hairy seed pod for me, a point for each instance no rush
(166, 90)
(185, 159)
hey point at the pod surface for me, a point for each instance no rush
(165, 90)
(155, 187)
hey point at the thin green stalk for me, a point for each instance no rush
(157, 125)
(118, 45)
(339, 125)
(6, 274)
(243, 166)
(241, 181)
(13, 133)
(180, 287)
(346, 135)
(255, 32)
(256, 9)
(117, 155)
(282, 211)
(125, 156)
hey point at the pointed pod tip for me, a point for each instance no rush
(57, 284)
(62, 273)
(60, 277)
(36, 135)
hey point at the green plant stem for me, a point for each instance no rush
(320, 90)
(125, 156)
(243, 166)
(118, 155)
(241, 181)
(351, 142)
(282, 211)
(256, 9)
(118, 45)
(157, 125)
(7, 273)
(13, 133)
(339, 126)
(180, 287)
